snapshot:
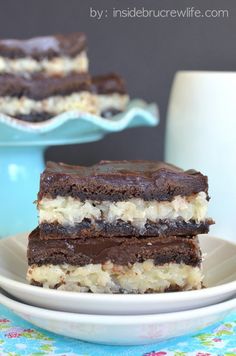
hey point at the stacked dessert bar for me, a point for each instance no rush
(46, 76)
(112, 97)
(119, 227)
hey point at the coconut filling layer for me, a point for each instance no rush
(111, 278)
(70, 211)
(61, 65)
(82, 101)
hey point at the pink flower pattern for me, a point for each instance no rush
(4, 321)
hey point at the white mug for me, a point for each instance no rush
(201, 134)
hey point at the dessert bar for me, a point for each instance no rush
(119, 227)
(123, 198)
(111, 94)
(43, 97)
(115, 264)
(51, 55)
(39, 97)
(43, 77)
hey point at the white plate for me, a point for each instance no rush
(219, 270)
(121, 330)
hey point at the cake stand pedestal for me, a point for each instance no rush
(20, 169)
(22, 147)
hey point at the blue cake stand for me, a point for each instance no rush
(22, 147)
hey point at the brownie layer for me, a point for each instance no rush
(40, 86)
(163, 228)
(143, 277)
(108, 84)
(120, 181)
(118, 250)
(44, 47)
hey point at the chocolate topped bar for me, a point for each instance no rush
(121, 198)
(120, 180)
(40, 97)
(119, 227)
(111, 94)
(43, 77)
(44, 47)
(115, 265)
(50, 55)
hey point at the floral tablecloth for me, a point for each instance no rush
(19, 338)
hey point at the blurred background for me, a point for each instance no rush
(147, 52)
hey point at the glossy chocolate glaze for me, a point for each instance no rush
(120, 181)
(44, 47)
(115, 249)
